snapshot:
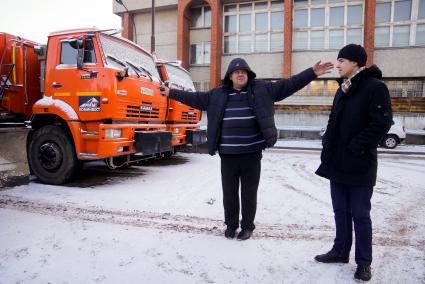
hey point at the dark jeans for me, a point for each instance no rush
(351, 204)
(245, 168)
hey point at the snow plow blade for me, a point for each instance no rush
(196, 137)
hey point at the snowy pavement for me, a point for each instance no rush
(164, 223)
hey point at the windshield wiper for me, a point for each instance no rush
(146, 71)
(116, 60)
(134, 67)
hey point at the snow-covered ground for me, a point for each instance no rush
(317, 145)
(164, 224)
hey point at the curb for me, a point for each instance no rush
(319, 149)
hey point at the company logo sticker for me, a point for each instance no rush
(89, 103)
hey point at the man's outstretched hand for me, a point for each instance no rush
(320, 69)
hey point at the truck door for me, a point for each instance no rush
(79, 87)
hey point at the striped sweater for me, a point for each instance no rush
(240, 132)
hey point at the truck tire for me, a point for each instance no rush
(51, 155)
(390, 141)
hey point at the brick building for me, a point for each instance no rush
(280, 38)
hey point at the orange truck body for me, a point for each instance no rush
(102, 92)
(182, 121)
(20, 96)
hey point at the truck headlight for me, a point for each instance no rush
(113, 133)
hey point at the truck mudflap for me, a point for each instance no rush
(196, 137)
(149, 143)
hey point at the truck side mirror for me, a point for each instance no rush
(80, 54)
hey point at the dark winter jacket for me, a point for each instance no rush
(261, 96)
(357, 122)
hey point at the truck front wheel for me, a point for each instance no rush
(51, 155)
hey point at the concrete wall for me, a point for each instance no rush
(394, 62)
(200, 73)
(302, 60)
(140, 5)
(319, 119)
(401, 62)
(200, 35)
(14, 169)
(265, 65)
(165, 33)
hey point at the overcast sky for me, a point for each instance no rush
(35, 19)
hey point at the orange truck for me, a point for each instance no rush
(87, 95)
(182, 121)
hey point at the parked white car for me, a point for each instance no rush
(395, 135)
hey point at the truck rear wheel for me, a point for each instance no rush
(51, 155)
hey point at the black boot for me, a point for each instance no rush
(331, 257)
(363, 273)
(244, 235)
(230, 233)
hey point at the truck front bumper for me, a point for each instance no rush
(148, 143)
(196, 137)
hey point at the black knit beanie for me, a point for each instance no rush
(354, 52)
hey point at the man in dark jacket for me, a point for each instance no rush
(241, 124)
(361, 115)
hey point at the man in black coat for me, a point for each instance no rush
(240, 117)
(361, 115)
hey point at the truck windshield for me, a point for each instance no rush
(118, 54)
(179, 77)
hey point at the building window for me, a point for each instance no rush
(319, 88)
(200, 53)
(405, 88)
(253, 27)
(200, 17)
(399, 23)
(327, 24)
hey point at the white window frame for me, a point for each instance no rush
(202, 26)
(412, 23)
(204, 61)
(327, 28)
(252, 32)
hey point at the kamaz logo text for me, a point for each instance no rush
(146, 108)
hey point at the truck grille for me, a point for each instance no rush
(144, 111)
(188, 115)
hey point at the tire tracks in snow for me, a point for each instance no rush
(185, 223)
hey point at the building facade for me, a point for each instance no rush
(280, 38)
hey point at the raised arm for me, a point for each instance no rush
(286, 87)
(198, 100)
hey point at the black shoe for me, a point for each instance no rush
(244, 235)
(363, 273)
(331, 257)
(230, 233)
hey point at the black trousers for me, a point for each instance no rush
(244, 169)
(351, 204)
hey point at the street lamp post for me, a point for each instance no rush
(153, 27)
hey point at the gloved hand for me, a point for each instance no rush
(164, 90)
